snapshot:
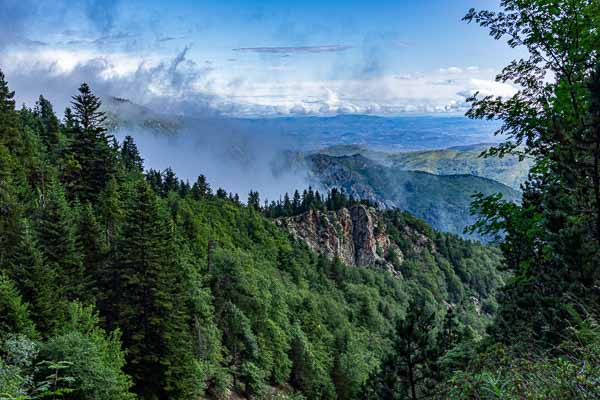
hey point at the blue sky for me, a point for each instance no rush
(259, 57)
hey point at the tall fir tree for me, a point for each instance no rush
(94, 157)
(130, 155)
(11, 210)
(49, 126)
(149, 302)
(56, 231)
(201, 188)
(39, 282)
(94, 249)
(9, 133)
(14, 315)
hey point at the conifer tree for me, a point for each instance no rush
(90, 147)
(184, 188)
(254, 200)
(49, 124)
(170, 181)
(14, 315)
(287, 206)
(94, 249)
(10, 208)
(149, 302)
(110, 211)
(155, 179)
(201, 188)
(221, 193)
(130, 156)
(296, 202)
(69, 121)
(38, 282)
(9, 134)
(238, 338)
(56, 231)
(407, 371)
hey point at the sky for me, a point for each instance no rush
(255, 58)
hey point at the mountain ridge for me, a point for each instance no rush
(444, 201)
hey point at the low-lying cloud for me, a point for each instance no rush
(181, 85)
(233, 154)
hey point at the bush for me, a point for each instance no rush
(570, 371)
(95, 358)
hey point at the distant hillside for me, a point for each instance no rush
(441, 200)
(122, 113)
(458, 160)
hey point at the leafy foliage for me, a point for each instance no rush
(544, 340)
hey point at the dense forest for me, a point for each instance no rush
(118, 282)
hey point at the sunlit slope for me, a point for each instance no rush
(460, 160)
(442, 200)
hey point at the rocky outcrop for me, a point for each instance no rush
(356, 235)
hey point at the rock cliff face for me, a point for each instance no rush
(355, 235)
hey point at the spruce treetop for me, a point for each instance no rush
(86, 108)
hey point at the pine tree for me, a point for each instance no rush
(130, 156)
(201, 188)
(184, 189)
(110, 211)
(14, 315)
(155, 179)
(221, 193)
(49, 125)
(11, 209)
(238, 338)
(149, 302)
(9, 134)
(94, 249)
(288, 209)
(407, 371)
(254, 200)
(38, 282)
(296, 202)
(69, 121)
(170, 181)
(91, 150)
(87, 112)
(56, 231)
(449, 334)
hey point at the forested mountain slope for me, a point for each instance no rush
(120, 283)
(117, 283)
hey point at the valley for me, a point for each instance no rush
(436, 185)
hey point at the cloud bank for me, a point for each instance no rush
(181, 85)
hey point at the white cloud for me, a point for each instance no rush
(451, 70)
(489, 88)
(182, 81)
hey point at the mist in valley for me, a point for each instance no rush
(230, 155)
